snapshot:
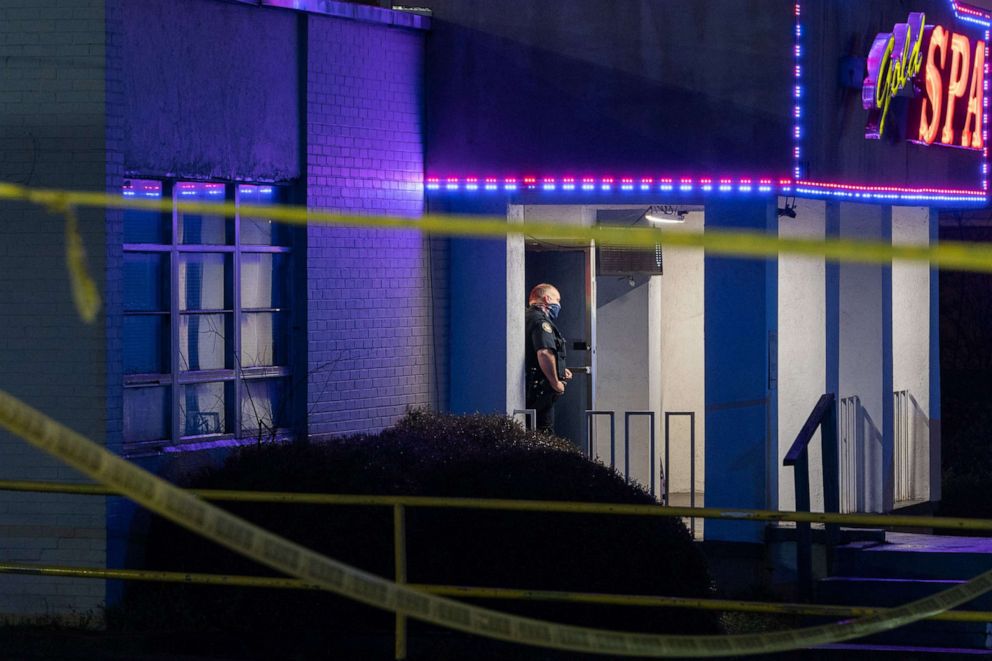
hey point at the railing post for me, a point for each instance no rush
(590, 416)
(804, 537)
(667, 468)
(652, 451)
(627, 415)
(666, 472)
(829, 451)
(692, 470)
(399, 562)
(626, 447)
(824, 416)
(530, 416)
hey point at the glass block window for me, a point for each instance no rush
(207, 318)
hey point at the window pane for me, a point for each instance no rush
(203, 341)
(146, 281)
(145, 226)
(146, 344)
(258, 230)
(205, 281)
(264, 405)
(264, 340)
(195, 228)
(146, 414)
(203, 407)
(263, 280)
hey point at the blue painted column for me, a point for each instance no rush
(832, 335)
(740, 318)
(477, 336)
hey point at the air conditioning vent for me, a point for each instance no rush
(628, 261)
(612, 260)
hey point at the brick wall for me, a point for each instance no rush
(376, 299)
(52, 133)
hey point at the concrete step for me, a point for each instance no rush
(854, 652)
(908, 555)
(890, 592)
(775, 534)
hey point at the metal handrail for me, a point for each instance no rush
(530, 415)
(626, 443)
(650, 601)
(590, 416)
(573, 507)
(692, 462)
(822, 416)
(823, 406)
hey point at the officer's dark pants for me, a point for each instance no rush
(542, 400)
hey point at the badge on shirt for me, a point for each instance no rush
(546, 326)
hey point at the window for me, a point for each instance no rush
(206, 319)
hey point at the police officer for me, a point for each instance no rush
(546, 371)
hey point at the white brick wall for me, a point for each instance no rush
(51, 134)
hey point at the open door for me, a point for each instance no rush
(571, 271)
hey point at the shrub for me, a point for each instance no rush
(435, 455)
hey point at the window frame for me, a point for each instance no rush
(235, 373)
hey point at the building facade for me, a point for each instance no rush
(729, 115)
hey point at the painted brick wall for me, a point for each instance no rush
(376, 299)
(52, 133)
(213, 92)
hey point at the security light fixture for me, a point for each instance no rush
(788, 210)
(664, 214)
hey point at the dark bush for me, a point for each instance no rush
(435, 455)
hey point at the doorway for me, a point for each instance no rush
(641, 348)
(569, 269)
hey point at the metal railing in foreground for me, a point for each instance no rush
(470, 592)
(400, 503)
(961, 524)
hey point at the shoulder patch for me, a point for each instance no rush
(546, 327)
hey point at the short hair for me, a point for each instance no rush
(540, 291)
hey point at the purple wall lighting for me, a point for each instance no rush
(200, 190)
(256, 194)
(142, 188)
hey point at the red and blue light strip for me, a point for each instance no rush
(569, 184)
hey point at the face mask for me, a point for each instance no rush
(553, 310)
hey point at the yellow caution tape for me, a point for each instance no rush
(266, 548)
(85, 294)
(464, 591)
(619, 509)
(948, 255)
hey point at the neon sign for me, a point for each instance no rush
(893, 62)
(953, 72)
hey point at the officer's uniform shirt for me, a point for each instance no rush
(543, 334)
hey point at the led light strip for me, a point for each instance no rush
(144, 188)
(971, 14)
(888, 193)
(797, 94)
(696, 185)
(754, 185)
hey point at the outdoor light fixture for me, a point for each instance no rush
(788, 210)
(663, 214)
